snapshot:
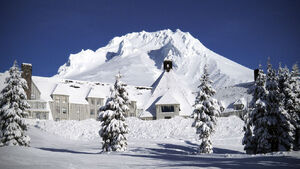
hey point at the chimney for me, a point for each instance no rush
(27, 74)
(167, 65)
(256, 74)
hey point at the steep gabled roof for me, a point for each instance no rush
(240, 101)
(167, 98)
(169, 88)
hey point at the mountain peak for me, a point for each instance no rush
(140, 55)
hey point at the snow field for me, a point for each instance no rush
(164, 143)
(175, 128)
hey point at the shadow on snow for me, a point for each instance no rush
(186, 156)
(65, 151)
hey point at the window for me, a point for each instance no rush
(33, 96)
(57, 109)
(167, 108)
(57, 99)
(92, 111)
(167, 117)
(38, 115)
(64, 110)
(64, 99)
(98, 102)
(92, 101)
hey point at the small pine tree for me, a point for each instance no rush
(13, 107)
(205, 113)
(111, 116)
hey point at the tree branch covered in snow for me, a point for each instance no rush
(13, 107)
(205, 112)
(111, 116)
(271, 126)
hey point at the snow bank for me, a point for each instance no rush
(175, 128)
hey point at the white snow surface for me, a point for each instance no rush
(140, 55)
(175, 128)
(163, 143)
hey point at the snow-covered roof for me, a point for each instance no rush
(46, 86)
(145, 114)
(99, 91)
(167, 98)
(240, 101)
(2, 79)
(77, 93)
(169, 88)
(28, 64)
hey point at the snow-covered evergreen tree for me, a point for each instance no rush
(13, 107)
(254, 119)
(205, 113)
(113, 126)
(275, 132)
(292, 102)
(286, 128)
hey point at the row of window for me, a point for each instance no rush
(167, 108)
(93, 102)
(62, 99)
(63, 110)
(37, 105)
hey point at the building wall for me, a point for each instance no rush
(63, 110)
(132, 110)
(94, 105)
(147, 118)
(38, 109)
(163, 115)
(60, 107)
(238, 106)
(35, 93)
(79, 111)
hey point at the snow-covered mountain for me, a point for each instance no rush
(139, 56)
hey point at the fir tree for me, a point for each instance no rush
(254, 119)
(111, 116)
(274, 132)
(286, 128)
(205, 113)
(13, 107)
(292, 102)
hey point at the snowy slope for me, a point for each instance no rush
(151, 144)
(139, 56)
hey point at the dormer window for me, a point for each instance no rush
(167, 65)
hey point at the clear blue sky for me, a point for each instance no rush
(44, 33)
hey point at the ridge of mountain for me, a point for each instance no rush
(139, 57)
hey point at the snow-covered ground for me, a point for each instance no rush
(168, 143)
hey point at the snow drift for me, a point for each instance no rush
(176, 128)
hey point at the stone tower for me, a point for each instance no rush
(256, 74)
(27, 74)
